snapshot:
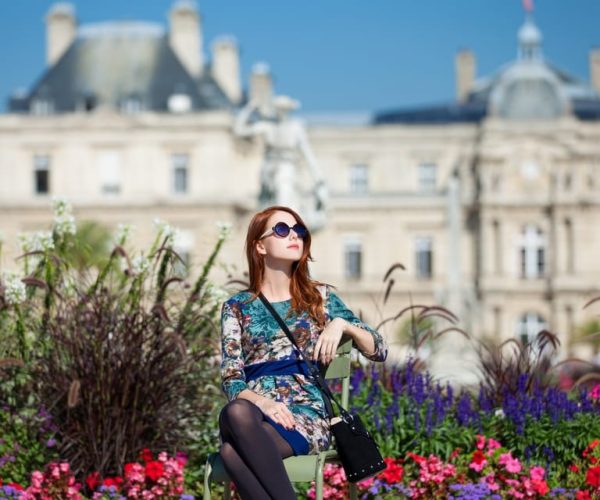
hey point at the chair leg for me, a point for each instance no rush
(227, 490)
(207, 472)
(353, 491)
(319, 479)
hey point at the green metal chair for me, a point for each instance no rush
(302, 468)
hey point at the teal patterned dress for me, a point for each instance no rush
(250, 336)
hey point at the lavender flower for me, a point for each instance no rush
(9, 493)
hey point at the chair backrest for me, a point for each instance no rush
(340, 368)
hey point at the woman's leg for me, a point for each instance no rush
(253, 452)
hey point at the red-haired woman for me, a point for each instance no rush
(274, 410)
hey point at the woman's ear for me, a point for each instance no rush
(260, 248)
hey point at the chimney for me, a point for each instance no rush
(595, 68)
(226, 67)
(464, 65)
(261, 87)
(61, 28)
(185, 35)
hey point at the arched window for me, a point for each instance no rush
(532, 250)
(530, 324)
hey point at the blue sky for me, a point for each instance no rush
(336, 55)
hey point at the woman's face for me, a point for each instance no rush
(273, 247)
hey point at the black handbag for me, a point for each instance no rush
(356, 448)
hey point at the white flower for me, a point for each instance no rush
(224, 229)
(123, 232)
(499, 413)
(140, 264)
(167, 231)
(14, 288)
(31, 242)
(65, 224)
(25, 241)
(43, 240)
(61, 206)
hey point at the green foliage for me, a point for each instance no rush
(27, 443)
(119, 347)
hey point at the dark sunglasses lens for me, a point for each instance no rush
(281, 229)
(300, 230)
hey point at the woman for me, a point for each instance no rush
(272, 413)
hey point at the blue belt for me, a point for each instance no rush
(286, 366)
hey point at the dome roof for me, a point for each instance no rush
(529, 34)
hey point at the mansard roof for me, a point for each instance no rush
(110, 64)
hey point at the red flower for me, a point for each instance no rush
(583, 495)
(593, 444)
(417, 458)
(540, 486)
(146, 455)
(573, 468)
(93, 480)
(113, 481)
(393, 472)
(16, 486)
(154, 470)
(127, 469)
(593, 460)
(593, 476)
(478, 457)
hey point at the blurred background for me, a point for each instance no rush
(459, 139)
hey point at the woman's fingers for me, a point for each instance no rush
(282, 415)
(315, 355)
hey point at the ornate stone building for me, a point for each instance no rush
(490, 202)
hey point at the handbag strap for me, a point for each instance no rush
(313, 370)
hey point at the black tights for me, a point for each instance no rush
(253, 453)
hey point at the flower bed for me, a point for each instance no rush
(150, 479)
(490, 471)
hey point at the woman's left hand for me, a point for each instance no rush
(329, 340)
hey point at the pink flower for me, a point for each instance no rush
(36, 479)
(478, 461)
(492, 445)
(491, 482)
(537, 473)
(366, 483)
(511, 464)
(480, 442)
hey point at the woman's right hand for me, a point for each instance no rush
(278, 412)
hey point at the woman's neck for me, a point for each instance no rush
(276, 284)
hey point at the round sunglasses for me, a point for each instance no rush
(281, 229)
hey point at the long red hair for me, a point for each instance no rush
(303, 289)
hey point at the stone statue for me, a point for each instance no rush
(287, 150)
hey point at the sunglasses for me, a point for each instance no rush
(281, 229)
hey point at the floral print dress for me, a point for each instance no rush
(250, 335)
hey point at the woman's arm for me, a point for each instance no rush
(232, 362)
(232, 369)
(368, 341)
(364, 341)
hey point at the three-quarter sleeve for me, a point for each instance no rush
(232, 361)
(337, 309)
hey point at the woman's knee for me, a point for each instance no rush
(228, 453)
(238, 414)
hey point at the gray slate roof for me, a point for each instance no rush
(529, 87)
(111, 62)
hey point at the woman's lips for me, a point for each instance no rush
(293, 246)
